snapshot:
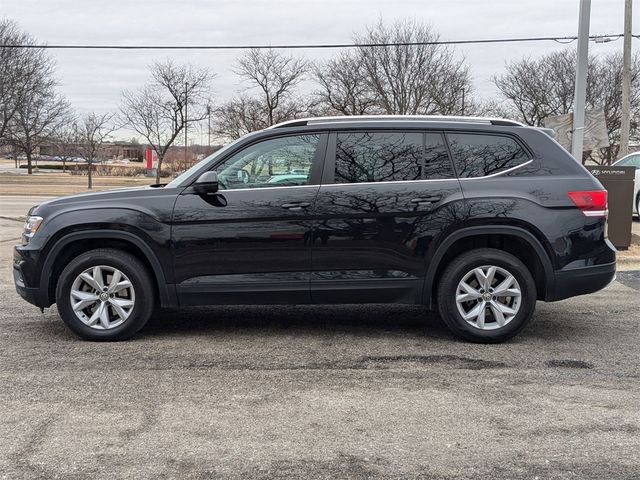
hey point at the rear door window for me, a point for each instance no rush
(390, 156)
(479, 155)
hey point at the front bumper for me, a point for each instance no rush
(25, 279)
(28, 293)
(581, 281)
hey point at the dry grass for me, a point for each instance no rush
(55, 184)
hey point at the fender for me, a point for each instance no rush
(486, 230)
(166, 291)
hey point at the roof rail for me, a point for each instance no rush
(385, 118)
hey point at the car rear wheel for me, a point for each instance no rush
(486, 295)
(105, 295)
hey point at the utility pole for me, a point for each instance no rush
(625, 124)
(581, 80)
(186, 124)
(209, 129)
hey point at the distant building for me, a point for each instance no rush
(108, 151)
(124, 150)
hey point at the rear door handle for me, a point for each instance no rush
(296, 206)
(426, 200)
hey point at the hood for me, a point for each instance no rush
(99, 199)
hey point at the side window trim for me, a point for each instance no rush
(497, 174)
(452, 162)
(329, 172)
(315, 174)
(513, 137)
(317, 167)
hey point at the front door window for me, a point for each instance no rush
(283, 161)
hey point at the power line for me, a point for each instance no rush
(566, 39)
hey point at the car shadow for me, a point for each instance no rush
(350, 319)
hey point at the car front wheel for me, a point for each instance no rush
(105, 295)
(486, 295)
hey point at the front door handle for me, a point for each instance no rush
(426, 200)
(296, 206)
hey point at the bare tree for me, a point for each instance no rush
(343, 86)
(534, 88)
(239, 116)
(244, 114)
(24, 72)
(174, 98)
(36, 121)
(66, 142)
(92, 132)
(10, 66)
(275, 75)
(539, 87)
(403, 79)
(605, 91)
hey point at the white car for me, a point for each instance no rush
(633, 160)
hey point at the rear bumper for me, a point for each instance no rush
(581, 281)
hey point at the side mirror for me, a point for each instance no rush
(206, 183)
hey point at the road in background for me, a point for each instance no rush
(18, 193)
(13, 206)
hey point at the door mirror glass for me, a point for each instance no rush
(207, 183)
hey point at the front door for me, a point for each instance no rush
(384, 196)
(251, 241)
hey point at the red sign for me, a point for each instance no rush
(148, 154)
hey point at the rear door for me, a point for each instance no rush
(385, 195)
(251, 241)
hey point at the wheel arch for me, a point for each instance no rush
(75, 243)
(503, 237)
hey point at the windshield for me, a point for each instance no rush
(630, 161)
(176, 182)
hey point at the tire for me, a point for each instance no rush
(125, 310)
(485, 327)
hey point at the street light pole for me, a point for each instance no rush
(625, 121)
(581, 80)
(186, 124)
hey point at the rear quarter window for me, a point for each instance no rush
(479, 155)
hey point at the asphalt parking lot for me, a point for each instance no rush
(322, 392)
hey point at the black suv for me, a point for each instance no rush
(477, 217)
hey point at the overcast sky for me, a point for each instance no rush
(93, 80)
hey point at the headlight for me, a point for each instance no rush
(31, 226)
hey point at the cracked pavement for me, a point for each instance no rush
(322, 392)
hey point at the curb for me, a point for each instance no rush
(627, 260)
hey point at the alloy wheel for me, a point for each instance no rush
(488, 297)
(102, 297)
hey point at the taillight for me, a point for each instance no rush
(593, 203)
